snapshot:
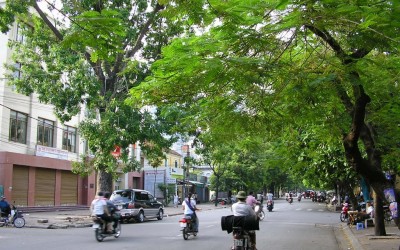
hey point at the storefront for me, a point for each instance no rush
(31, 180)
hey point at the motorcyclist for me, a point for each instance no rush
(99, 208)
(242, 208)
(5, 209)
(112, 209)
(189, 207)
(251, 200)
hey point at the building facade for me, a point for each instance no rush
(37, 150)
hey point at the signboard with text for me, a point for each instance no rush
(51, 152)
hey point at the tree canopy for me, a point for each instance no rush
(309, 75)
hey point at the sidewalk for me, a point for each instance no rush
(366, 239)
(81, 218)
(363, 239)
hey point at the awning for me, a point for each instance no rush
(197, 183)
(187, 182)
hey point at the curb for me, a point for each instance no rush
(60, 226)
(351, 238)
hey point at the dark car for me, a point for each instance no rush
(137, 204)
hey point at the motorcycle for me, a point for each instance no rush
(259, 212)
(387, 214)
(16, 218)
(290, 200)
(344, 214)
(241, 239)
(270, 205)
(187, 225)
(299, 198)
(100, 229)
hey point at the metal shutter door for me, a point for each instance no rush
(45, 187)
(69, 188)
(20, 185)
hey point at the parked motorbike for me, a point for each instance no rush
(259, 209)
(270, 205)
(387, 213)
(100, 229)
(16, 218)
(187, 225)
(344, 214)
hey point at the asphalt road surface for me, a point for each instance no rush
(304, 225)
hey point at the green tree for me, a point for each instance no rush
(274, 67)
(92, 55)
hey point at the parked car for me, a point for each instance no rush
(137, 204)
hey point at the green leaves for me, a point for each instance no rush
(100, 32)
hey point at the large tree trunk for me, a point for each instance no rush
(369, 168)
(104, 181)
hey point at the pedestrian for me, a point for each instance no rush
(176, 200)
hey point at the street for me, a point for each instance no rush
(304, 225)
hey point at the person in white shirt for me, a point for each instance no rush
(98, 208)
(241, 208)
(176, 200)
(189, 207)
(369, 212)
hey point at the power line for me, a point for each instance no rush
(54, 126)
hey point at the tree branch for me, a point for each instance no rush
(49, 24)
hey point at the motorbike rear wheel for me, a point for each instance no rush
(19, 222)
(98, 235)
(185, 233)
(117, 230)
(261, 215)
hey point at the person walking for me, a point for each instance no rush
(176, 200)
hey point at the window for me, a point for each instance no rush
(18, 126)
(17, 70)
(19, 37)
(45, 132)
(69, 139)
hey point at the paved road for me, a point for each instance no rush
(304, 225)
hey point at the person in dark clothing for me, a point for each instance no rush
(5, 208)
(112, 209)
